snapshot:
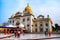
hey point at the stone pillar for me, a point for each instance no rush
(26, 23)
(31, 23)
(44, 27)
(38, 27)
(50, 26)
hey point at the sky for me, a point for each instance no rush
(44, 7)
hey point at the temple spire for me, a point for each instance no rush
(27, 4)
(28, 9)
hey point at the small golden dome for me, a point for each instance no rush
(28, 8)
(12, 15)
(18, 12)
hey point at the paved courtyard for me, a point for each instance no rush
(33, 37)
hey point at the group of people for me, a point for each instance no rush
(48, 33)
(18, 32)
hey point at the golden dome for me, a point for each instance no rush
(28, 8)
(12, 15)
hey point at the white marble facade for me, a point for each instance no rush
(32, 24)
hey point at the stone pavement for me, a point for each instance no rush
(6, 36)
(39, 36)
(34, 37)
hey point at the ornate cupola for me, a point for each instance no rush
(12, 16)
(18, 13)
(28, 9)
(40, 16)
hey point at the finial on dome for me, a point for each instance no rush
(28, 9)
(27, 4)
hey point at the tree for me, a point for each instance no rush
(5, 23)
(57, 27)
(53, 28)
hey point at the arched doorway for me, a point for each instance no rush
(17, 24)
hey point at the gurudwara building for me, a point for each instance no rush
(32, 24)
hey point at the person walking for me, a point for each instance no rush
(46, 33)
(15, 33)
(49, 33)
(18, 34)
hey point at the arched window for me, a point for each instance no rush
(36, 25)
(41, 25)
(10, 21)
(28, 19)
(46, 29)
(46, 24)
(13, 21)
(24, 20)
(17, 23)
(36, 29)
(27, 25)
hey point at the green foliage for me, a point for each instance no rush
(57, 27)
(53, 28)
